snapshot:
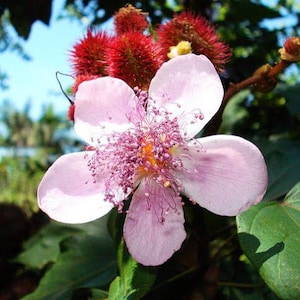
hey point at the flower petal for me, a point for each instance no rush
(68, 194)
(153, 228)
(103, 106)
(190, 87)
(224, 174)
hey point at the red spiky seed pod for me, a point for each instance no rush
(129, 18)
(134, 58)
(196, 30)
(88, 56)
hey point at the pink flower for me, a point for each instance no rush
(153, 155)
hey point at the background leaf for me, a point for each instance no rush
(283, 161)
(44, 247)
(76, 257)
(291, 96)
(86, 261)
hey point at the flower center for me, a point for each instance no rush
(147, 156)
(147, 150)
(154, 155)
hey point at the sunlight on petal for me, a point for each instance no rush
(224, 174)
(103, 106)
(68, 194)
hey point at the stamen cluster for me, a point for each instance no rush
(147, 149)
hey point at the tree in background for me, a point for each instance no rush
(28, 147)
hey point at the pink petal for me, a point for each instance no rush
(153, 228)
(103, 106)
(188, 85)
(225, 174)
(68, 194)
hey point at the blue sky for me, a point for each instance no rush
(35, 80)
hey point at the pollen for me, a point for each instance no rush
(167, 183)
(154, 158)
(183, 47)
(147, 155)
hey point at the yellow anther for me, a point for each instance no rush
(167, 183)
(147, 154)
(183, 47)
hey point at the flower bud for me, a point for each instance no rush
(291, 49)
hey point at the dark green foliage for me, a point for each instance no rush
(24, 13)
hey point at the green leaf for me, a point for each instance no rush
(86, 262)
(235, 112)
(44, 247)
(98, 294)
(269, 234)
